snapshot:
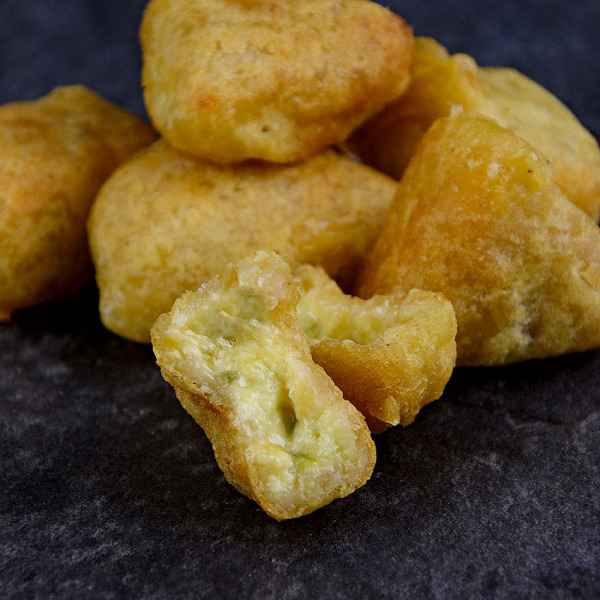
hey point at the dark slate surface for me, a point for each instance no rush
(109, 490)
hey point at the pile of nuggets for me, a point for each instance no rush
(332, 216)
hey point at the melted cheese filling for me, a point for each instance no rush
(230, 341)
(325, 315)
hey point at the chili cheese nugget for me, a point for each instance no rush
(166, 222)
(390, 355)
(240, 365)
(440, 81)
(278, 80)
(478, 218)
(55, 153)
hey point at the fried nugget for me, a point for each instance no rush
(166, 222)
(478, 218)
(390, 355)
(279, 80)
(55, 153)
(240, 365)
(440, 81)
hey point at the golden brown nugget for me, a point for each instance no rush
(390, 355)
(277, 80)
(478, 218)
(55, 153)
(240, 365)
(441, 81)
(166, 222)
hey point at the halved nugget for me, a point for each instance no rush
(166, 222)
(440, 81)
(240, 365)
(390, 355)
(55, 153)
(478, 218)
(277, 80)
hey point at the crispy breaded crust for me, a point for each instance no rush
(441, 81)
(166, 222)
(277, 80)
(55, 153)
(520, 104)
(390, 355)
(478, 218)
(240, 365)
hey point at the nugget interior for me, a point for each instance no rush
(281, 430)
(390, 355)
(323, 314)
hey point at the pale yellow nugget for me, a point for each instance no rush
(240, 365)
(277, 80)
(441, 81)
(55, 153)
(478, 217)
(390, 355)
(166, 222)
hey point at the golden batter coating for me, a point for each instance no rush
(240, 365)
(478, 218)
(440, 81)
(166, 222)
(55, 153)
(390, 355)
(279, 80)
